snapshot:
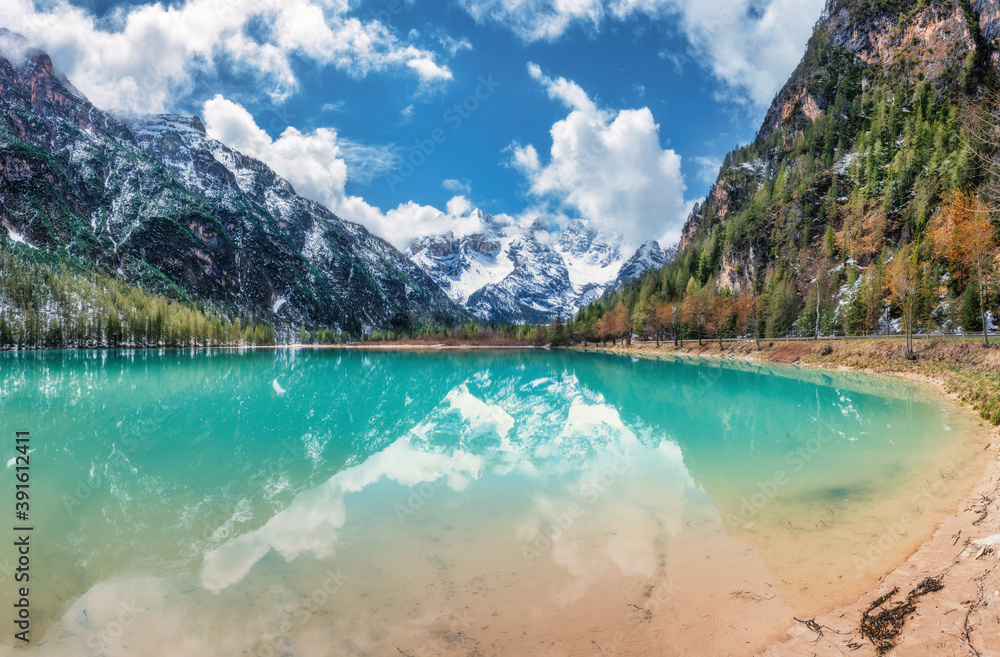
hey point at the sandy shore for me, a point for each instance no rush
(962, 617)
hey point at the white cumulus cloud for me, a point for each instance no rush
(607, 166)
(316, 164)
(749, 45)
(408, 221)
(140, 59)
(456, 186)
(535, 20)
(708, 168)
(311, 162)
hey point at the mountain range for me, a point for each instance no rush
(158, 203)
(512, 274)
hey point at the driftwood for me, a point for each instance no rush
(883, 627)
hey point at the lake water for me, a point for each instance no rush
(340, 502)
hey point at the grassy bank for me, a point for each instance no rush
(962, 367)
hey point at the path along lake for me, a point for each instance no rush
(345, 502)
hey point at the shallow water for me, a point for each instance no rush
(336, 502)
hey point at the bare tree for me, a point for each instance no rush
(904, 286)
(748, 311)
(654, 320)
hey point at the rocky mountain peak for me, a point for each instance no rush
(648, 256)
(864, 42)
(577, 237)
(537, 226)
(159, 203)
(505, 274)
(29, 81)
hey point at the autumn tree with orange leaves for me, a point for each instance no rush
(670, 314)
(963, 233)
(720, 308)
(696, 308)
(616, 323)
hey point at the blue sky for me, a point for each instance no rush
(404, 114)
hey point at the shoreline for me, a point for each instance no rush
(956, 620)
(961, 553)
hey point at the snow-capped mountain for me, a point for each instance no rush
(161, 204)
(462, 265)
(506, 273)
(648, 256)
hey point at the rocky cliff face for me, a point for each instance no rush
(902, 41)
(863, 139)
(161, 204)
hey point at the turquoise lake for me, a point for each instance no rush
(346, 502)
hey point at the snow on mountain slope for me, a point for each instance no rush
(331, 248)
(158, 203)
(591, 257)
(509, 273)
(649, 256)
(463, 265)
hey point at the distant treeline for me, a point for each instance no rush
(468, 332)
(48, 302)
(52, 306)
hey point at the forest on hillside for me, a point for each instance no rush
(880, 215)
(48, 303)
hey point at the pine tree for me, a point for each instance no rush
(972, 320)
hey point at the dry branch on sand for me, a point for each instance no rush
(883, 627)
